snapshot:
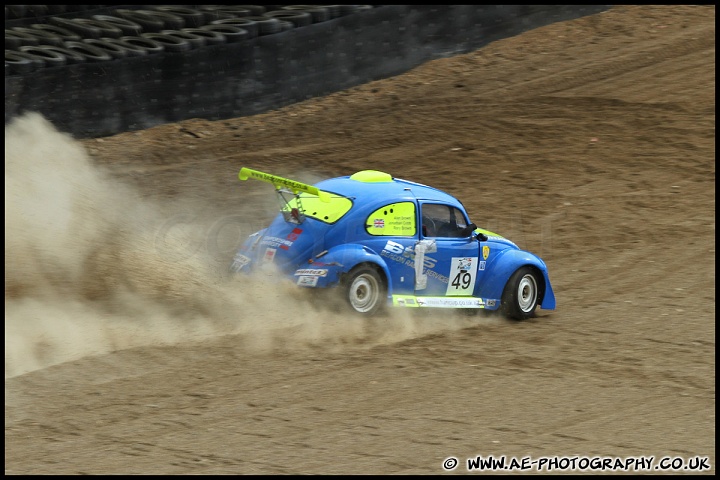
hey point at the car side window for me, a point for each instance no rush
(440, 220)
(395, 219)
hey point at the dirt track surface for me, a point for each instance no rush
(590, 142)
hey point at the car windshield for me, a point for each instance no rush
(308, 205)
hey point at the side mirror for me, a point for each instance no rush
(467, 231)
(479, 236)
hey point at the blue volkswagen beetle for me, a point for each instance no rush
(385, 242)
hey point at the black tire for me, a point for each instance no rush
(170, 42)
(319, 13)
(131, 50)
(92, 54)
(235, 10)
(231, 33)
(195, 41)
(251, 26)
(20, 63)
(211, 37)
(191, 17)
(522, 294)
(128, 27)
(72, 57)
(285, 25)
(266, 25)
(15, 39)
(169, 21)
(297, 17)
(254, 9)
(64, 34)
(44, 37)
(115, 50)
(51, 58)
(148, 44)
(148, 24)
(107, 29)
(365, 290)
(211, 13)
(82, 29)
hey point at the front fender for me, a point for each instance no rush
(504, 265)
(343, 258)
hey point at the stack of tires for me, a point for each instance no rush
(54, 36)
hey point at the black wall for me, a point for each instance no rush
(266, 72)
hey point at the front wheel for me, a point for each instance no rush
(520, 297)
(365, 290)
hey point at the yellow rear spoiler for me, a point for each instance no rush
(281, 182)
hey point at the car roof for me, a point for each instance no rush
(373, 186)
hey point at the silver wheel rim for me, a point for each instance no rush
(527, 293)
(364, 293)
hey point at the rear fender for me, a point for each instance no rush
(343, 258)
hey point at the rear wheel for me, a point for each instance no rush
(365, 290)
(520, 298)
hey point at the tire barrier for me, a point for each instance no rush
(230, 11)
(211, 12)
(146, 22)
(231, 33)
(169, 78)
(171, 43)
(64, 34)
(255, 10)
(77, 26)
(127, 27)
(211, 37)
(266, 25)
(251, 26)
(319, 13)
(91, 53)
(133, 50)
(195, 40)
(51, 58)
(299, 18)
(115, 50)
(15, 39)
(149, 45)
(17, 62)
(106, 29)
(285, 25)
(169, 20)
(192, 18)
(71, 57)
(44, 37)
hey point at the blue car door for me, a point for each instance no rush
(454, 263)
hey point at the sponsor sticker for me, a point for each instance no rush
(307, 281)
(269, 255)
(318, 272)
(462, 276)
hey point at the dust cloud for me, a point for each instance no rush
(85, 273)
